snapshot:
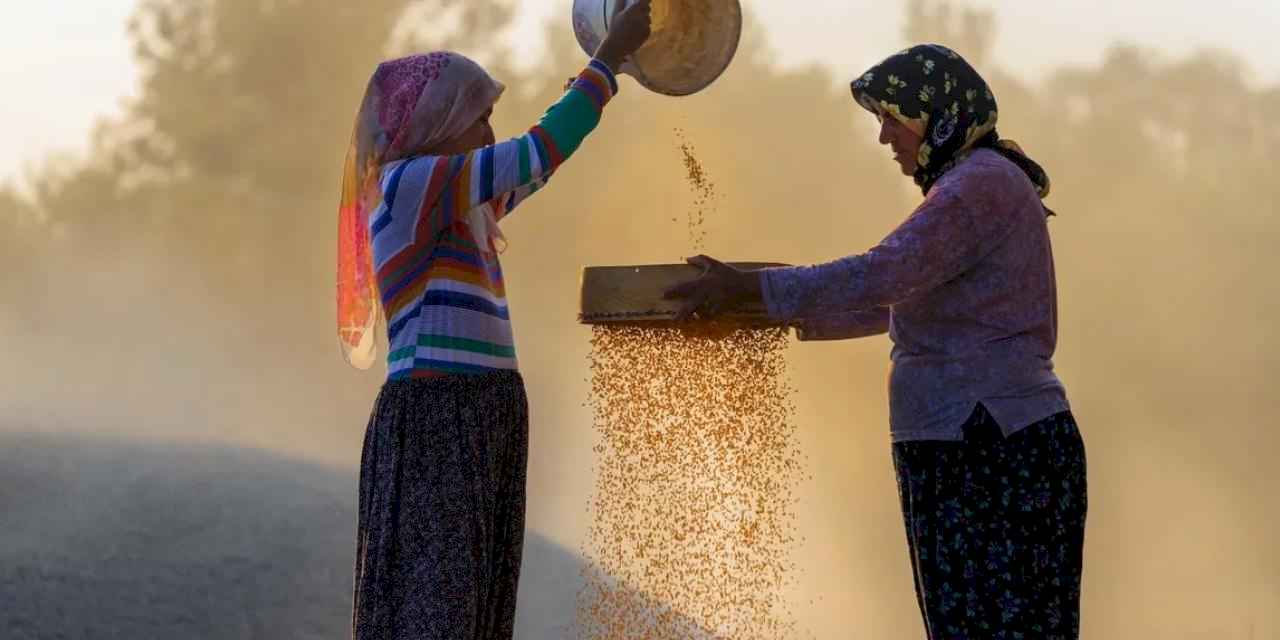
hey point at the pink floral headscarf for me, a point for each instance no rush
(411, 104)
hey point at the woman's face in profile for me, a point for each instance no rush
(903, 141)
(477, 136)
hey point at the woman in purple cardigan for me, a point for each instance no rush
(990, 463)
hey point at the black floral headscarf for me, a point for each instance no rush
(935, 93)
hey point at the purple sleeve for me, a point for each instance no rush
(958, 224)
(844, 326)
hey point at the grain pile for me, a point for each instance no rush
(693, 512)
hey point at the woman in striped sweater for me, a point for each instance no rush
(442, 476)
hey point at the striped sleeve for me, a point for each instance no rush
(518, 196)
(524, 163)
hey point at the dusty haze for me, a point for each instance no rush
(177, 287)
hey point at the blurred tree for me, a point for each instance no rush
(22, 241)
(969, 31)
(215, 194)
(229, 159)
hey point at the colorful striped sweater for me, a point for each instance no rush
(444, 299)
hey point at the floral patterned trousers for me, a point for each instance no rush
(995, 527)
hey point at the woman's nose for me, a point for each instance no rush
(886, 132)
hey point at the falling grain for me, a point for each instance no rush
(693, 509)
(705, 196)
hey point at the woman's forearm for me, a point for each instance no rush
(843, 326)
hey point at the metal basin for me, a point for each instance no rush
(692, 41)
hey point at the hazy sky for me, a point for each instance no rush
(66, 63)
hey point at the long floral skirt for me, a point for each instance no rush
(995, 527)
(440, 527)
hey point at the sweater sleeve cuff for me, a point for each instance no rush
(773, 289)
(598, 83)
